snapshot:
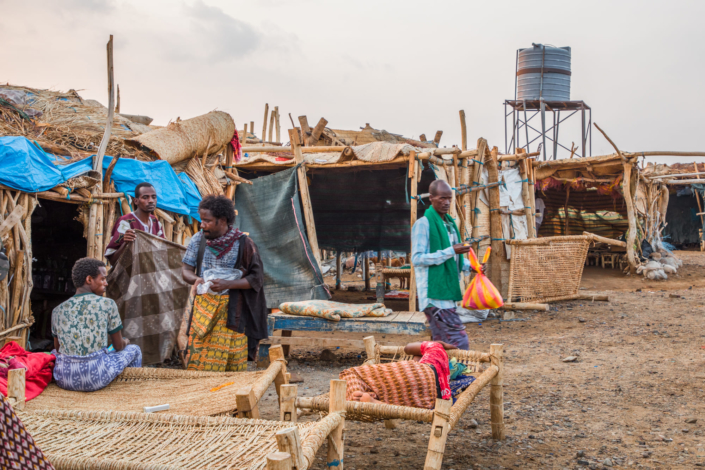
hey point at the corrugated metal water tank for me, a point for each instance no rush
(555, 62)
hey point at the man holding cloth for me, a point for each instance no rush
(437, 256)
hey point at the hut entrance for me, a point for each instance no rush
(57, 243)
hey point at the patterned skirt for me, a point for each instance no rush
(212, 346)
(96, 370)
(405, 383)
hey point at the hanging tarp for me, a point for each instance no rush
(25, 167)
(270, 211)
(193, 197)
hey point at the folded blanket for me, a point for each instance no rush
(334, 311)
(39, 367)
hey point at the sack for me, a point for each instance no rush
(481, 294)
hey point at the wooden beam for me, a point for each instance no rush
(526, 198)
(264, 122)
(413, 170)
(317, 131)
(15, 216)
(305, 128)
(437, 138)
(497, 393)
(98, 162)
(631, 216)
(305, 196)
(524, 306)
(237, 178)
(496, 234)
(422, 138)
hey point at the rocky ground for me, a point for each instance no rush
(632, 399)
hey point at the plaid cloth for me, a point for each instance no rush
(405, 383)
(151, 296)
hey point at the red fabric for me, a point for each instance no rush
(237, 146)
(39, 369)
(435, 355)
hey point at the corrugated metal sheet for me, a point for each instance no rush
(588, 211)
(364, 210)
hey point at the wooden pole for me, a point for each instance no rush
(335, 438)
(305, 196)
(565, 210)
(279, 461)
(287, 403)
(276, 353)
(246, 403)
(631, 216)
(526, 198)
(439, 434)
(272, 120)
(496, 392)
(278, 124)
(16, 387)
(370, 349)
(243, 138)
(305, 129)
(476, 178)
(317, 131)
(413, 170)
(264, 123)
(288, 441)
(496, 235)
(366, 271)
(338, 269)
(463, 131)
(98, 163)
(437, 138)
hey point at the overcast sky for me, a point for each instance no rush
(403, 66)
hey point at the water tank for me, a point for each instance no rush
(543, 72)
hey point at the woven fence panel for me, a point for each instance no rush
(541, 273)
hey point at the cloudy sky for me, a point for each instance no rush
(404, 66)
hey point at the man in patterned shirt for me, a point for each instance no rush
(142, 218)
(81, 327)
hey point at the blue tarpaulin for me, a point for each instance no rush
(26, 167)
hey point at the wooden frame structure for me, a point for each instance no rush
(444, 417)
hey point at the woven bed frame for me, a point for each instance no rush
(488, 368)
(99, 440)
(194, 393)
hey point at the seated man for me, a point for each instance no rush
(415, 383)
(81, 327)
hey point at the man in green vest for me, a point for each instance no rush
(437, 256)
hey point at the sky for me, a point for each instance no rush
(404, 66)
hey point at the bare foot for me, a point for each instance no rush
(369, 398)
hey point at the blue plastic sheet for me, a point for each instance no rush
(25, 167)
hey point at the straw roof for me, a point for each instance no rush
(63, 123)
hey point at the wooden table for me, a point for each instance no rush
(398, 323)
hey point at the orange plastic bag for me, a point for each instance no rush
(481, 294)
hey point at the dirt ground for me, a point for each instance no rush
(629, 401)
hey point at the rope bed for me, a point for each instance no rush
(80, 440)
(534, 268)
(195, 393)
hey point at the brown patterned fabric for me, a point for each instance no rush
(405, 383)
(18, 449)
(151, 295)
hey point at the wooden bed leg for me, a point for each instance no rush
(246, 403)
(277, 353)
(279, 461)
(370, 349)
(496, 392)
(287, 403)
(285, 347)
(439, 433)
(16, 387)
(289, 442)
(335, 439)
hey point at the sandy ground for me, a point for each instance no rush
(625, 403)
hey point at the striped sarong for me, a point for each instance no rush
(405, 383)
(212, 346)
(96, 370)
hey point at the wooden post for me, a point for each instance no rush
(338, 269)
(463, 130)
(565, 210)
(413, 170)
(496, 392)
(496, 236)
(437, 138)
(277, 353)
(277, 123)
(16, 387)
(525, 196)
(370, 349)
(697, 198)
(305, 129)
(317, 131)
(246, 403)
(335, 438)
(243, 138)
(279, 461)
(272, 120)
(264, 124)
(287, 403)
(366, 271)
(631, 216)
(288, 441)
(98, 162)
(252, 128)
(422, 138)
(439, 434)
(476, 177)
(305, 196)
